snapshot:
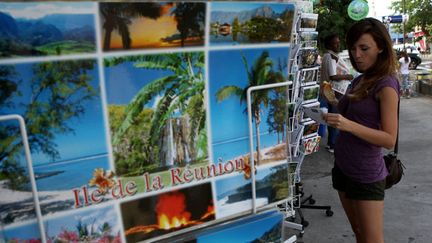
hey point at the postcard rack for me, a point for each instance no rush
(23, 132)
(148, 118)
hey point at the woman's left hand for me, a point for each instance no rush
(337, 121)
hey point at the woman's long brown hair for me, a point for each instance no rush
(386, 63)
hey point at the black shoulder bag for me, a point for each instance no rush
(393, 164)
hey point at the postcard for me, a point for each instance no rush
(315, 114)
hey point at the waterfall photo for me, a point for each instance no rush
(158, 120)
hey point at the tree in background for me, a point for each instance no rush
(419, 12)
(333, 18)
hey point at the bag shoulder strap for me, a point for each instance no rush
(397, 136)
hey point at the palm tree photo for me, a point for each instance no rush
(152, 25)
(161, 122)
(260, 73)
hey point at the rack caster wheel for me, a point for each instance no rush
(305, 223)
(301, 233)
(312, 201)
(329, 213)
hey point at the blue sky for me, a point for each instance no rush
(96, 216)
(40, 10)
(123, 81)
(228, 119)
(237, 7)
(89, 136)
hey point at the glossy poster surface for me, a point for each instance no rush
(130, 107)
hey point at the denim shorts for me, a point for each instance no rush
(356, 190)
(406, 84)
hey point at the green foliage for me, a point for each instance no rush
(10, 48)
(333, 18)
(419, 12)
(126, 153)
(138, 133)
(67, 47)
(263, 29)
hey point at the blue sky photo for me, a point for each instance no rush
(229, 184)
(238, 7)
(123, 81)
(245, 230)
(77, 149)
(91, 216)
(89, 136)
(229, 123)
(39, 10)
(27, 231)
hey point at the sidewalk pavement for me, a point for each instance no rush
(408, 205)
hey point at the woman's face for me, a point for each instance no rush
(365, 52)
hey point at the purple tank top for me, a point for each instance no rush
(361, 161)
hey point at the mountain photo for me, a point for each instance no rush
(60, 29)
(239, 23)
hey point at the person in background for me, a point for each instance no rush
(368, 121)
(404, 62)
(330, 63)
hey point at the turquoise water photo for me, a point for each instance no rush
(234, 148)
(68, 175)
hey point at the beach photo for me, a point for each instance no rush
(230, 75)
(46, 28)
(234, 193)
(266, 227)
(141, 25)
(234, 196)
(62, 109)
(167, 212)
(250, 23)
(272, 182)
(156, 113)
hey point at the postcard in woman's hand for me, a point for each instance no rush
(315, 113)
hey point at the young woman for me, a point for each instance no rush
(367, 123)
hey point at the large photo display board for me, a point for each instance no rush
(136, 116)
